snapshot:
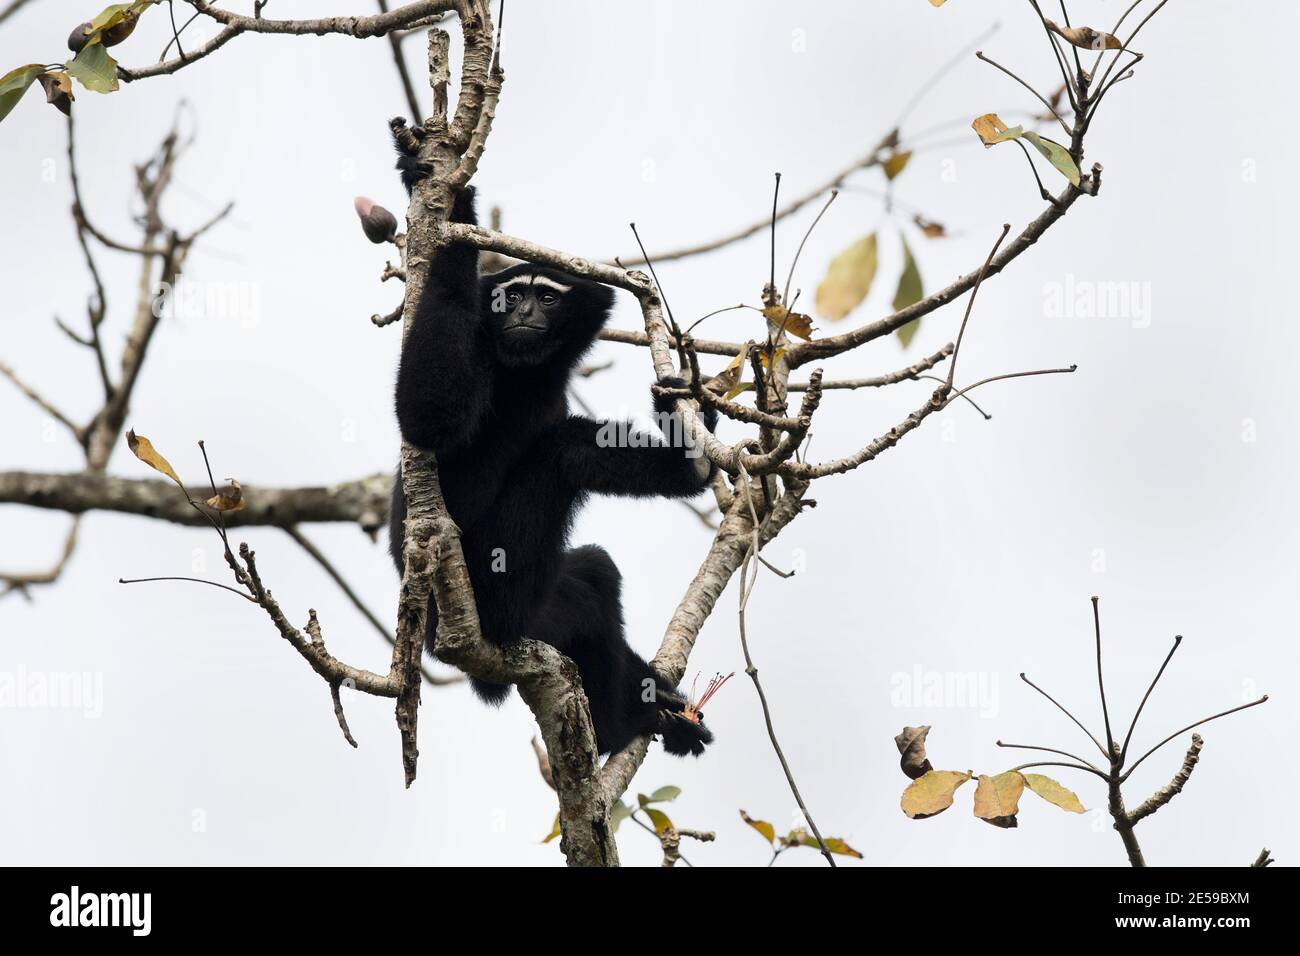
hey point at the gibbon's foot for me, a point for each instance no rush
(680, 735)
(407, 141)
(406, 137)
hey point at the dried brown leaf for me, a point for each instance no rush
(911, 744)
(229, 498)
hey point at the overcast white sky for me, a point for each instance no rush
(1160, 476)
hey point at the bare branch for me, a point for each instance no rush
(336, 576)
(873, 158)
(44, 404)
(805, 352)
(1178, 639)
(1174, 787)
(408, 87)
(19, 582)
(1137, 763)
(1103, 750)
(12, 7)
(233, 24)
(746, 588)
(364, 501)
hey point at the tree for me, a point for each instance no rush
(768, 475)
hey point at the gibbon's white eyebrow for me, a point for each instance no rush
(534, 280)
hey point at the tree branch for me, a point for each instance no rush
(364, 501)
(1174, 787)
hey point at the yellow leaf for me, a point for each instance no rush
(848, 280)
(555, 830)
(932, 793)
(765, 361)
(836, 845)
(143, 449)
(937, 3)
(659, 819)
(896, 163)
(839, 846)
(762, 826)
(796, 323)
(1053, 792)
(728, 382)
(997, 799)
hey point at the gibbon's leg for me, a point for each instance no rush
(583, 618)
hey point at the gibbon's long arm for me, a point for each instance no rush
(444, 381)
(615, 458)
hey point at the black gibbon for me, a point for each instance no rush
(482, 384)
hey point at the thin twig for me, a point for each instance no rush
(336, 576)
(1178, 639)
(1138, 762)
(1067, 714)
(173, 577)
(1101, 684)
(1050, 750)
(752, 671)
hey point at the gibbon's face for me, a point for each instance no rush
(532, 315)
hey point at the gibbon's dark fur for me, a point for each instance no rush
(484, 390)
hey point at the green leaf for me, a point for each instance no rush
(109, 16)
(910, 292)
(1057, 155)
(664, 795)
(94, 69)
(848, 280)
(14, 84)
